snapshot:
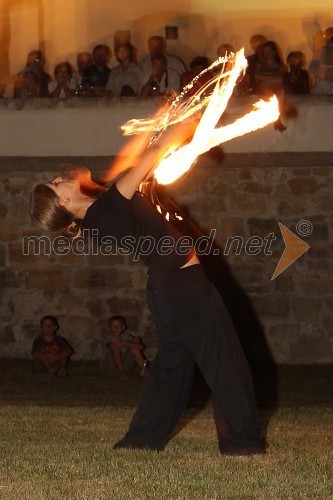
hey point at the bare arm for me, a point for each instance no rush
(149, 160)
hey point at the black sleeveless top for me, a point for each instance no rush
(136, 227)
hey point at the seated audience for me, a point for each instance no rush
(50, 351)
(197, 65)
(125, 79)
(269, 70)
(162, 79)
(321, 67)
(124, 350)
(35, 63)
(157, 45)
(269, 73)
(97, 74)
(84, 61)
(27, 85)
(64, 84)
(256, 42)
(296, 81)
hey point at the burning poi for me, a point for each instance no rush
(211, 105)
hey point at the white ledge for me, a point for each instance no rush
(91, 127)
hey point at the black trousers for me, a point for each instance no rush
(193, 326)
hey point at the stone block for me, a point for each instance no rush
(271, 306)
(96, 307)
(9, 229)
(255, 187)
(326, 325)
(282, 190)
(320, 232)
(328, 303)
(3, 210)
(248, 274)
(16, 185)
(7, 335)
(248, 203)
(208, 206)
(284, 333)
(125, 305)
(303, 309)
(324, 203)
(291, 206)
(8, 278)
(229, 227)
(116, 260)
(319, 269)
(302, 171)
(322, 171)
(53, 277)
(3, 256)
(320, 250)
(284, 283)
(303, 185)
(26, 256)
(312, 351)
(244, 174)
(263, 227)
(102, 278)
(316, 286)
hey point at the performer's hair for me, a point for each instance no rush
(47, 213)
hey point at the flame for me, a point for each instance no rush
(178, 159)
(179, 162)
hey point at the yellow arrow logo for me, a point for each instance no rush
(294, 248)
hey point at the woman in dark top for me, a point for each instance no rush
(193, 325)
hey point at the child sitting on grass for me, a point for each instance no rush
(50, 351)
(122, 343)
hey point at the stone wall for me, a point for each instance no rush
(245, 195)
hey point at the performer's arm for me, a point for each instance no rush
(149, 160)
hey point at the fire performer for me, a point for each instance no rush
(192, 323)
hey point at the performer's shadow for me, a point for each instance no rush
(246, 322)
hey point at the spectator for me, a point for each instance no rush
(64, 84)
(27, 85)
(162, 80)
(157, 45)
(321, 67)
(126, 350)
(225, 49)
(197, 65)
(256, 42)
(269, 70)
(35, 63)
(98, 73)
(269, 74)
(125, 79)
(296, 81)
(84, 61)
(51, 352)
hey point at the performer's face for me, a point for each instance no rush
(65, 188)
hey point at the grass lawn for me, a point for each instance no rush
(57, 436)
